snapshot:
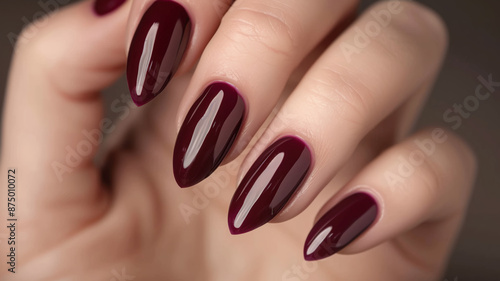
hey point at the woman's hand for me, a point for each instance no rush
(338, 110)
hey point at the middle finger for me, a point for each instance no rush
(241, 75)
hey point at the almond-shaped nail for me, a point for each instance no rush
(207, 133)
(340, 226)
(157, 48)
(103, 7)
(269, 184)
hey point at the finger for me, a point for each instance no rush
(52, 123)
(241, 75)
(336, 104)
(422, 184)
(167, 33)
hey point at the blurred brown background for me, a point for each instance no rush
(474, 28)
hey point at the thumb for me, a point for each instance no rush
(53, 110)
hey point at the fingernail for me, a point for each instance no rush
(209, 130)
(340, 226)
(102, 7)
(269, 184)
(157, 49)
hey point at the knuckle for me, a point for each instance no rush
(440, 157)
(419, 21)
(30, 34)
(269, 26)
(426, 174)
(42, 23)
(51, 48)
(456, 148)
(38, 44)
(338, 91)
(430, 175)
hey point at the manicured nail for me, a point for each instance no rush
(269, 184)
(157, 49)
(209, 130)
(102, 7)
(340, 226)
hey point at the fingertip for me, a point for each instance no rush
(208, 133)
(341, 225)
(157, 49)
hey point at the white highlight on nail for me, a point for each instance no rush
(201, 130)
(317, 241)
(145, 59)
(257, 189)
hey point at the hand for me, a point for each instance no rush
(338, 115)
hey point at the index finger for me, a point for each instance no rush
(167, 37)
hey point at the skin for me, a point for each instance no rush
(119, 218)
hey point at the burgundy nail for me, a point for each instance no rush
(340, 226)
(269, 184)
(102, 7)
(209, 130)
(157, 49)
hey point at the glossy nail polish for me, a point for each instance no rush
(208, 131)
(340, 226)
(269, 184)
(102, 7)
(157, 49)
